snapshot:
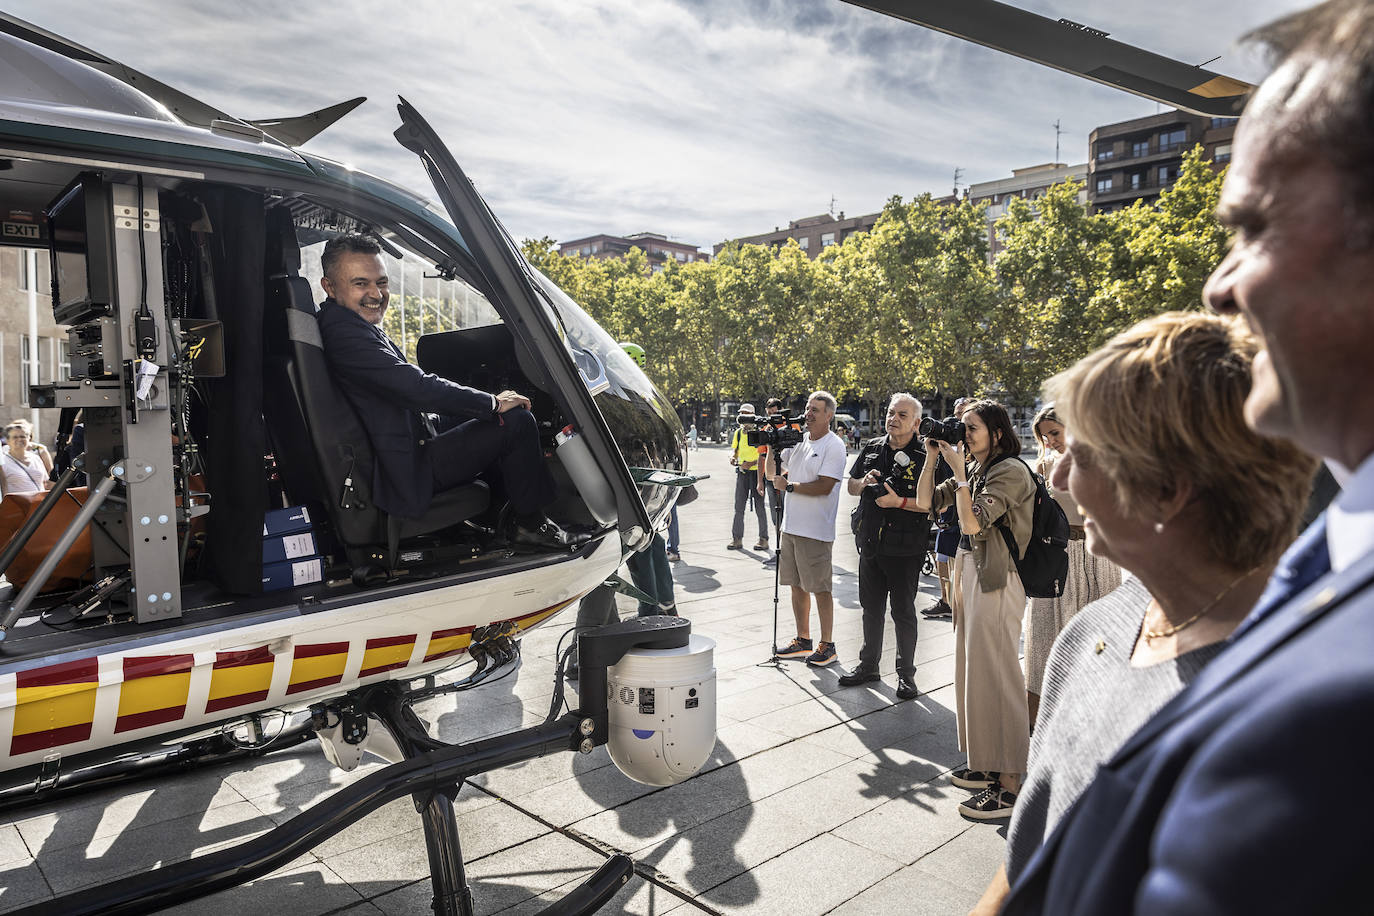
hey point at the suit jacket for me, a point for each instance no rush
(389, 394)
(1246, 794)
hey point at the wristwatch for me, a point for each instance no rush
(790, 487)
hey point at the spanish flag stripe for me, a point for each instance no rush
(230, 682)
(144, 719)
(55, 737)
(39, 709)
(455, 631)
(242, 699)
(311, 685)
(258, 656)
(145, 694)
(153, 665)
(446, 646)
(81, 671)
(317, 649)
(384, 641)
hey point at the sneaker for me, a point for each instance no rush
(736, 544)
(993, 803)
(858, 676)
(761, 544)
(797, 648)
(937, 610)
(824, 655)
(771, 561)
(674, 556)
(965, 778)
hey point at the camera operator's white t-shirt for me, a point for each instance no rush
(813, 516)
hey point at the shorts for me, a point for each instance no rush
(947, 544)
(805, 562)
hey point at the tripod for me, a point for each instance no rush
(776, 455)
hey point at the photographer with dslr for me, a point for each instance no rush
(891, 532)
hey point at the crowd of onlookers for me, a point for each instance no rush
(1162, 747)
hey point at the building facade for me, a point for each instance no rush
(658, 248)
(1137, 159)
(16, 350)
(813, 234)
(1030, 183)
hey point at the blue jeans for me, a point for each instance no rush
(650, 573)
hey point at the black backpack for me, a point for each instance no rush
(1045, 565)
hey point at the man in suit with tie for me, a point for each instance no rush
(1231, 799)
(493, 434)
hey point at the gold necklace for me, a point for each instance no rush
(1170, 631)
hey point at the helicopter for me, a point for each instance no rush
(240, 590)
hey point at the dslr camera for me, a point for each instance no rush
(776, 431)
(900, 485)
(950, 429)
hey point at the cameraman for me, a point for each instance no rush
(891, 533)
(745, 458)
(767, 470)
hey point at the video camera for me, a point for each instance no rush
(950, 429)
(775, 431)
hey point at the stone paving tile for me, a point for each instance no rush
(110, 812)
(653, 818)
(13, 849)
(911, 825)
(138, 848)
(301, 890)
(911, 892)
(812, 878)
(506, 878)
(402, 859)
(22, 883)
(970, 859)
(638, 897)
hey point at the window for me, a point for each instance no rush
(827, 239)
(1167, 173)
(1104, 185)
(1137, 180)
(1223, 122)
(1140, 148)
(1223, 153)
(1172, 139)
(25, 361)
(804, 242)
(1104, 153)
(64, 361)
(24, 279)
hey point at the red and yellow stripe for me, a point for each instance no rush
(386, 653)
(54, 705)
(317, 665)
(445, 643)
(154, 691)
(239, 678)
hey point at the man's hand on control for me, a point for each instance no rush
(889, 499)
(509, 400)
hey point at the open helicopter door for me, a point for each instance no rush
(510, 277)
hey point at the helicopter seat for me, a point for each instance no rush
(332, 465)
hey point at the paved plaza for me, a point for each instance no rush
(817, 799)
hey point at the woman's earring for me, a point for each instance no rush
(1159, 527)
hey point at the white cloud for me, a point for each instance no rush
(702, 119)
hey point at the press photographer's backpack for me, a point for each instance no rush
(1045, 566)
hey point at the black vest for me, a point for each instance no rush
(890, 532)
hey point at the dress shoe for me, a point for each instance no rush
(906, 688)
(858, 676)
(547, 533)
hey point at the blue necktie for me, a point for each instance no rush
(1306, 561)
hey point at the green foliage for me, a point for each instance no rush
(913, 305)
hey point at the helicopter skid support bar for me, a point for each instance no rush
(427, 774)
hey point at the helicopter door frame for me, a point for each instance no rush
(508, 274)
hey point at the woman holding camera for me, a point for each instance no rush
(1090, 577)
(995, 489)
(26, 465)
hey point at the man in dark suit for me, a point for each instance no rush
(490, 433)
(1230, 801)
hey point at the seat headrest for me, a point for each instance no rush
(283, 251)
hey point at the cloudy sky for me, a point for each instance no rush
(699, 119)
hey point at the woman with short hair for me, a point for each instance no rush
(1089, 578)
(994, 490)
(1178, 491)
(26, 463)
